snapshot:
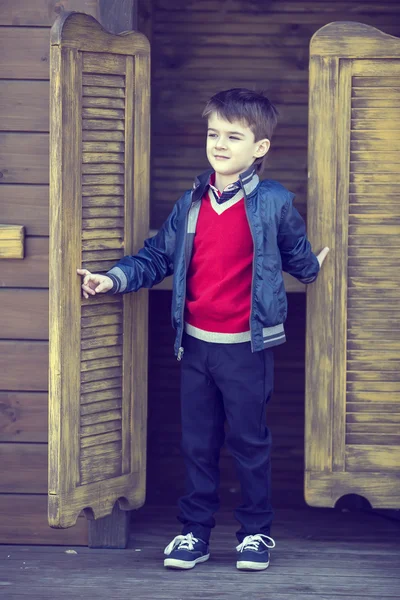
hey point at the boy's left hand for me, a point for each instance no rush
(322, 255)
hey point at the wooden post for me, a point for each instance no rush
(111, 531)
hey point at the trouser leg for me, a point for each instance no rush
(246, 382)
(203, 418)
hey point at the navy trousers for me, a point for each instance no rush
(218, 382)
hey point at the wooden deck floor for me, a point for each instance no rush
(321, 554)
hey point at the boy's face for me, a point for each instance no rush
(231, 147)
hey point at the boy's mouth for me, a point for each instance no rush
(220, 157)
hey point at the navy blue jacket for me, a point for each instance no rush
(280, 243)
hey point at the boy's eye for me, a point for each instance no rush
(212, 135)
(233, 137)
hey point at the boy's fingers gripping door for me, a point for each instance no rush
(98, 213)
(353, 316)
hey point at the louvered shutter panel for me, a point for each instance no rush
(353, 310)
(99, 179)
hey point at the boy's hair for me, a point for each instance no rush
(241, 104)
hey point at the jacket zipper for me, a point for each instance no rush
(181, 350)
(252, 274)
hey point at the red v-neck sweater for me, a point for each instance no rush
(218, 293)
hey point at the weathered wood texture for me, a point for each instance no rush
(353, 332)
(98, 347)
(12, 241)
(351, 556)
(24, 161)
(204, 46)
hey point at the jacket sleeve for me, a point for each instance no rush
(151, 264)
(297, 256)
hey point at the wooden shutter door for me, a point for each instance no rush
(353, 310)
(99, 179)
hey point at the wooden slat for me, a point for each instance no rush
(33, 271)
(103, 190)
(28, 204)
(101, 80)
(101, 330)
(100, 212)
(110, 394)
(101, 428)
(23, 417)
(102, 168)
(95, 201)
(103, 125)
(23, 468)
(99, 407)
(102, 157)
(24, 157)
(107, 103)
(40, 13)
(24, 521)
(103, 113)
(24, 105)
(103, 438)
(103, 63)
(23, 366)
(101, 417)
(107, 180)
(25, 53)
(16, 322)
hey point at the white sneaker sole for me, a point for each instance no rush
(174, 563)
(246, 565)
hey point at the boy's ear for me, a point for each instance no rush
(262, 147)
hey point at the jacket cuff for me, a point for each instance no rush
(116, 284)
(311, 279)
(119, 280)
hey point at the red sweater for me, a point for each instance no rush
(219, 278)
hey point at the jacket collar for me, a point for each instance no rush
(249, 180)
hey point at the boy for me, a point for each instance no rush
(226, 242)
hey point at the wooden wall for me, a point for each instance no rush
(24, 163)
(200, 47)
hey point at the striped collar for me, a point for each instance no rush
(248, 181)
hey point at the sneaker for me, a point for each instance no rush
(185, 551)
(253, 552)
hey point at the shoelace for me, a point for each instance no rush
(252, 542)
(183, 542)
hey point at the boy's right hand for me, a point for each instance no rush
(94, 283)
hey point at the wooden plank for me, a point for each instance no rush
(16, 322)
(24, 157)
(23, 468)
(103, 62)
(33, 271)
(323, 85)
(24, 105)
(380, 459)
(24, 521)
(23, 366)
(23, 417)
(41, 13)
(25, 53)
(29, 203)
(12, 245)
